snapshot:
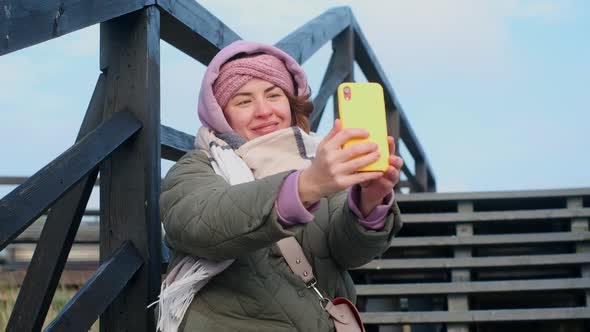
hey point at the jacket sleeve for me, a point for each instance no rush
(352, 245)
(204, 216)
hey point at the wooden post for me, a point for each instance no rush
(393, 129)
(130, 179)
(421, 172)
(580, 225)
(431, 183)
(460, 302)
(343, 47)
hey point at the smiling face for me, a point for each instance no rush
(258, 108)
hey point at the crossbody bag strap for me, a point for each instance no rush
(295, 258)
(293, 254)
(345, 315)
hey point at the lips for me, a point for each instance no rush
(266, 128)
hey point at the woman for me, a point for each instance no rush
(253, 180)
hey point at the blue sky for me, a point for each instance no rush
(496, 91)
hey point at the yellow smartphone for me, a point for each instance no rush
(361, 105)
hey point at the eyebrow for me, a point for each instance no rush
(250, 93)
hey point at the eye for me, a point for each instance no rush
(243, 102)
(274, 95)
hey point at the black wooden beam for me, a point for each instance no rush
(343, 47)
(57, 237)
(25, 203)
(26, 23)
(332, 78)
(130, 49)
(370, 66)
(99, 291)
(192, 29)
(302, 43)
(175, 143)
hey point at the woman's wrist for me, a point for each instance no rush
(368, 205)
(308, 191)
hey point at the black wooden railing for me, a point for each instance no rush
(122, 138)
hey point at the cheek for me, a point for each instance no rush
(238, 120)
(284, 111)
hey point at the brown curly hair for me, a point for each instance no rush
(301, 108)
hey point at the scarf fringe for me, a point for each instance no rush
(177, 293)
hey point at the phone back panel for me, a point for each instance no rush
(361, 105)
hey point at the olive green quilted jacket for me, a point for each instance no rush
(204, 216)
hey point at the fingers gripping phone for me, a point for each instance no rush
(361, 105)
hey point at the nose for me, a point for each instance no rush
(263, 109)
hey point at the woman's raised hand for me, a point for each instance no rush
(334, 168)
(374, 191)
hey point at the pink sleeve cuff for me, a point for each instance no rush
(290, 209)
(376, 219)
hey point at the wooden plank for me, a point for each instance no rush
(541, 215)
(69, 278)
(175, 143)
(130, 186)
(192, 29)
(332, 78)
(494, 195)
(87, 233)
(79, 253)
(57, 237)
(472, 287)
(429, 317)
(480, 240)
(370, 66)
(476, 262)
(101, 290)
(26, 23)
(302, 43)
(24, 204)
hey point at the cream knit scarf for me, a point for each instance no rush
(237, 161)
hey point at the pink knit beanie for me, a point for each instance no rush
(234, 74)
(210, 110)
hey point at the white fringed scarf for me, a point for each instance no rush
(237, 161)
